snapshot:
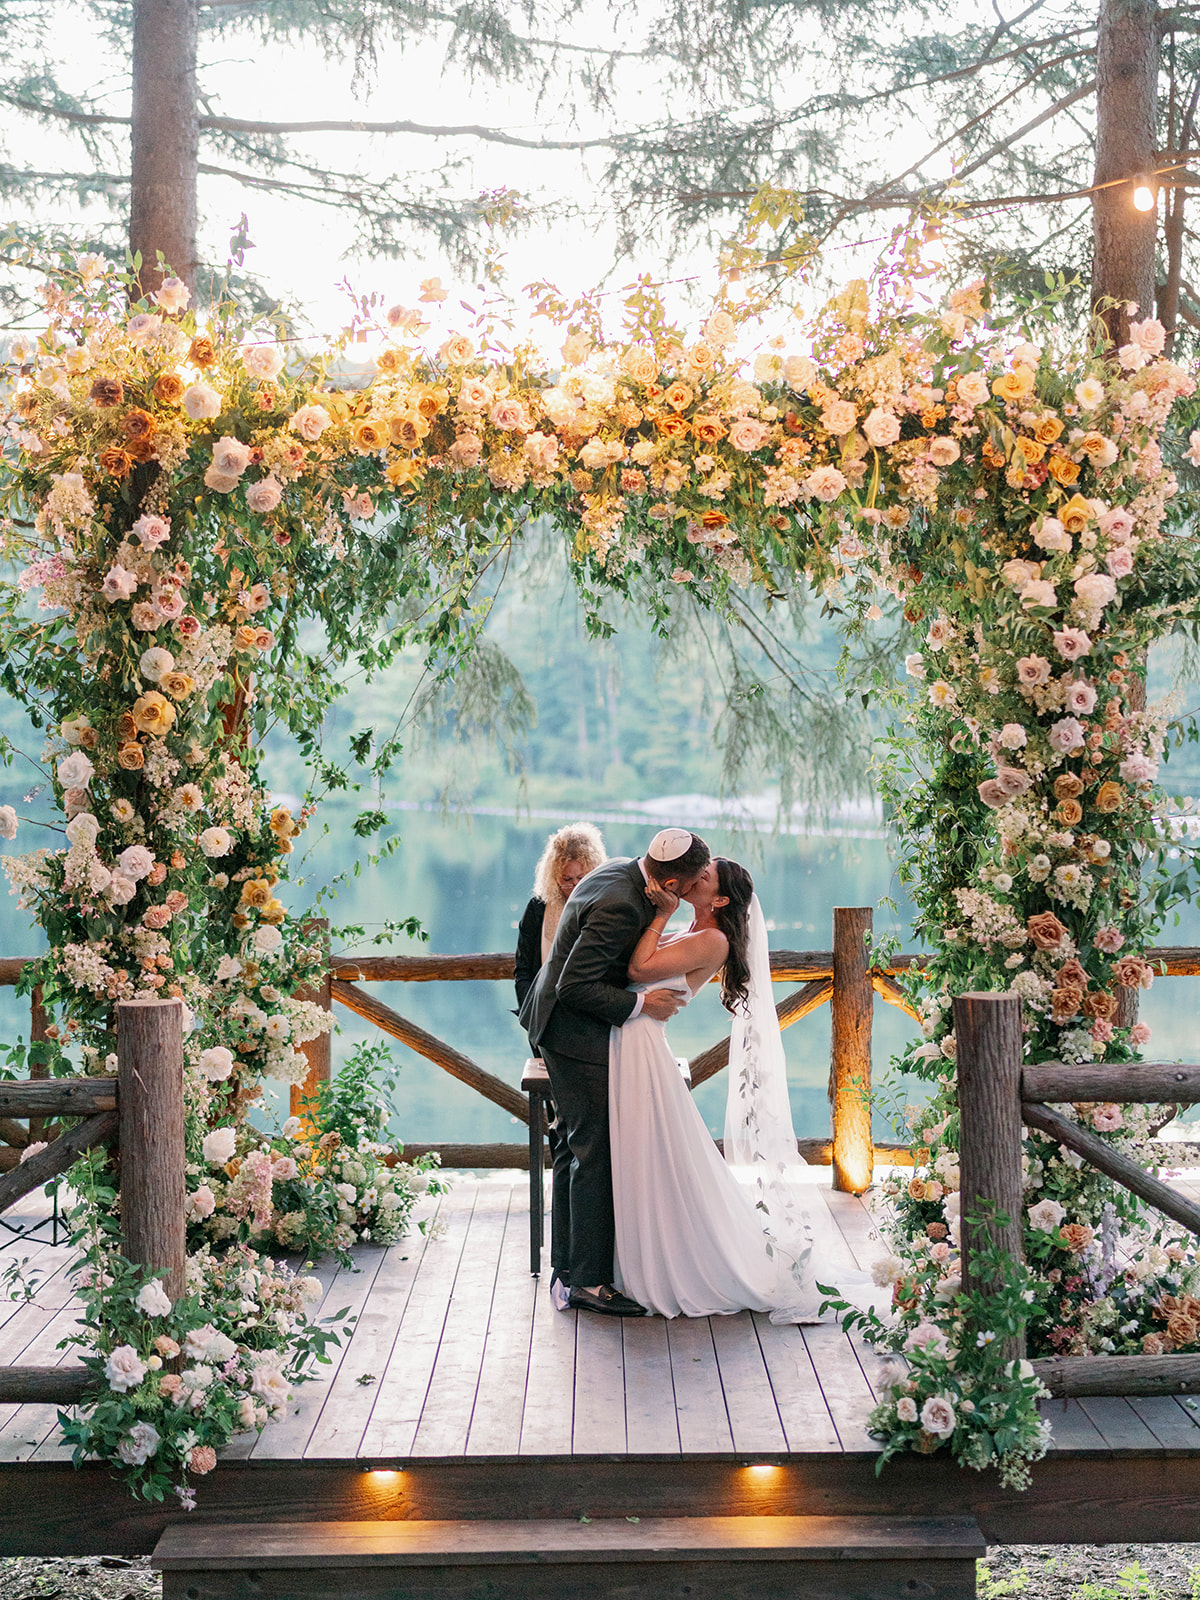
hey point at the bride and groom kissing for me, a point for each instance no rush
(656, 1220)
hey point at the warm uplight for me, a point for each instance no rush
(1143, 195)
(382, 1475)
(762, 1466)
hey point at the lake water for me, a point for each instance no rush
(468, 879)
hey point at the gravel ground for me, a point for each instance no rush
(1090, 1571)
(1028, 1571)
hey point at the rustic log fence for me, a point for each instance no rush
(141, 1111)
(998, 1096)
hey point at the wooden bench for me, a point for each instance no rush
(705, 1558)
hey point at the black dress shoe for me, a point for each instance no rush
(607, 1301)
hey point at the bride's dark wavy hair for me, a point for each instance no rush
(734, 922)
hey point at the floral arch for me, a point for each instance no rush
(187, 495)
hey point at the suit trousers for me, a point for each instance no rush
(581, 1096)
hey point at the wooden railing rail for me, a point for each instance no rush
(997, 1094)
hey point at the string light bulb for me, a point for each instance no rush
(1143, 194)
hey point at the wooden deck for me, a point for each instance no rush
(463, 1393)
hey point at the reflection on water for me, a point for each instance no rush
(468, 881)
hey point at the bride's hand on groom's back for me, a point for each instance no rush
(662, 1004)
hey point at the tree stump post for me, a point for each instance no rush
(318, 1051)
(987, 1028)
(150, 1107)
(38, 1024)
(852, 1004)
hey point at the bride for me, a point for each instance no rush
(692, 1239)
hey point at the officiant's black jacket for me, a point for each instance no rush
(582, 990)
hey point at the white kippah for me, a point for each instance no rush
(670, 844)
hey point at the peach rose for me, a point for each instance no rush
(131, 757)
(747, 434)
(1046, 931)
(1076, 1236)
(1068, 786)
(1070, 812)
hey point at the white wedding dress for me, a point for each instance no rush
(693, 1238)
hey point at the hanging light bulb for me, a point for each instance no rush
(1143, 194)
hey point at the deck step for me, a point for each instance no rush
(654, 1558)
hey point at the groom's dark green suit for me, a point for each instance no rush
(579, 994)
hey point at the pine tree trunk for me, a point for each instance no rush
(165, 143)
(1127, 56)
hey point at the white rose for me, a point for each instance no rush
(134, 862)
(914, 665)
(75, 771)
(230, 457)
(152, 1299)
(201, 402)
(83, 829)
(141, 1442)
(173, 295)
(264, 360)
(881, 427)
(1046, 1215)
(219, 1146)
(216, 842)
(216, 1063)
(155, 662)
(121, 889)
(973, 388)
(8, 823)
(124, 1369)
(267, 940)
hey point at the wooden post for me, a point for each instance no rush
(319, 1051)
(38, 1023)
(150, 1106)
(987, 1028)
(852, 1003)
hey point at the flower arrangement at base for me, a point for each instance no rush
(325, 1183)
(177, 1380)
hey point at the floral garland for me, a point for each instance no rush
(186, 494)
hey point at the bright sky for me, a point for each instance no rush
(301, 249)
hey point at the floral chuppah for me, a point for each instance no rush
(186, 496)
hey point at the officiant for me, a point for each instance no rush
(570, 854)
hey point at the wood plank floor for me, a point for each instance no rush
(457, 1354)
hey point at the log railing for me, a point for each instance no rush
(998, 1097)
(844, 976)
(142, 1111)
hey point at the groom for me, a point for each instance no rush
(579, 994)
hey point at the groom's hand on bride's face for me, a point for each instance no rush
(661, 1004)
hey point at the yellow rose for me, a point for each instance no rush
(407, 429)
(1077, 513)
(1063, 470)
(153, 713)
(246, 638)
(368, 436)
(1048, 429)
(256, 893)
(274, 911)
(1108, 797)
(1014, 385)
(177, 684)
(401, 474)
(1031, 450)
(281, 822)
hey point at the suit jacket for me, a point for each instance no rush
(529, 948)
(582, 990)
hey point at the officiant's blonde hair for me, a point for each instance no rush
(578, 841)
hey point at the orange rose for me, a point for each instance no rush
(1181, 1329)
(1108, 797)
(201, 353)
(1031, 450)
(116, 462)
(679, 397)
(1070, 812)
(131, 757)
(1046, 931)
(141, 449)
(107, 392)
(169, 388)
(1048, 429)
(1068, 787)
(1101, 1005)
(713, 519)
(137, 424)
(1063, 470)
(1065, 1001)
(672, 427)
(708, 430)
(1076, 1236)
